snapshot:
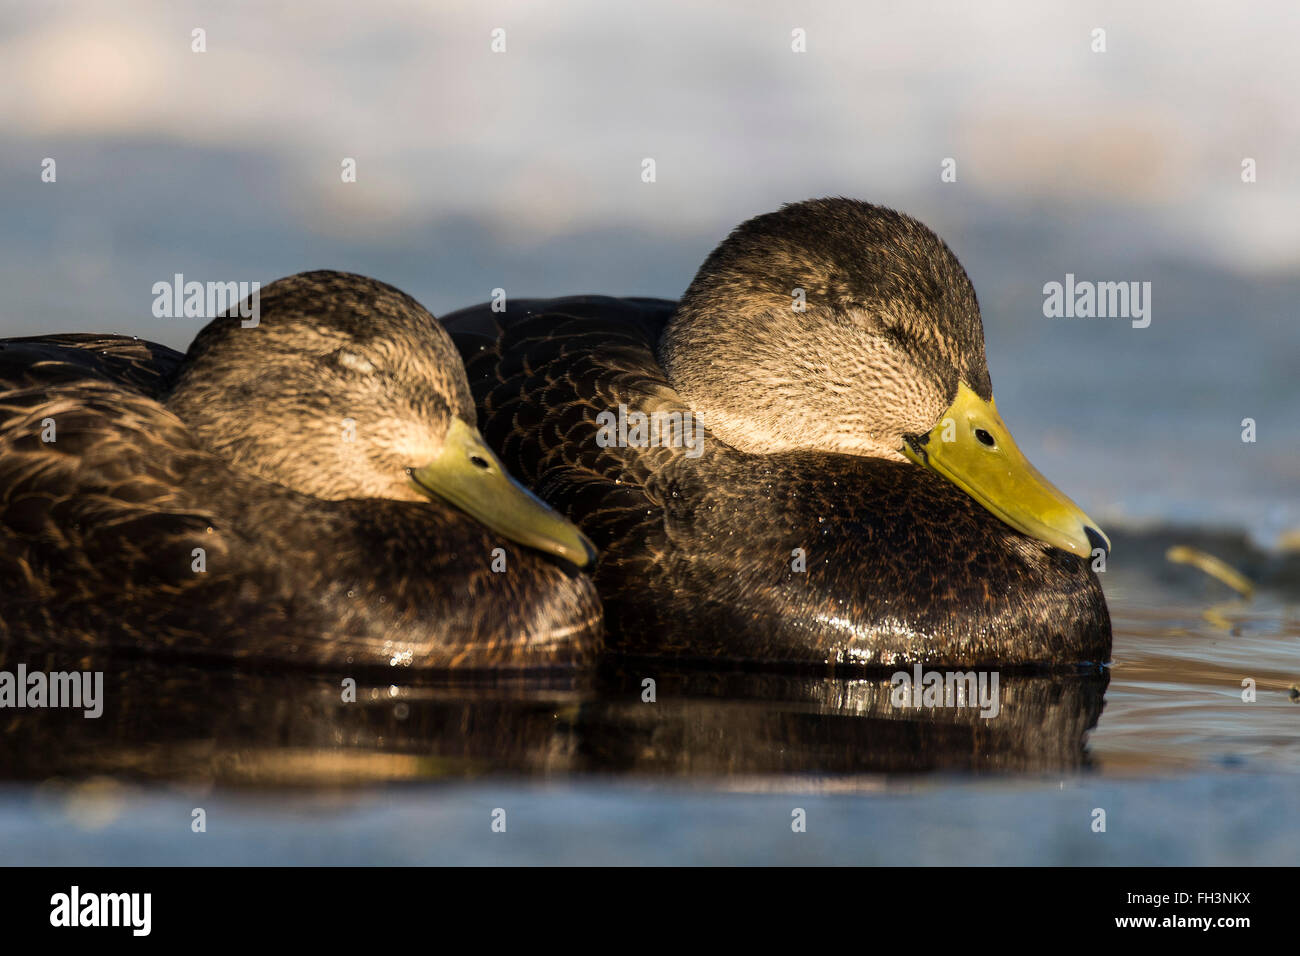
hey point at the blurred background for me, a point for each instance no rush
(522, 169)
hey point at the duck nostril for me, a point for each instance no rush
(984, 437)
(480, 462)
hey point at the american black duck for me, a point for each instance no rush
(311, 489)
(851, 497)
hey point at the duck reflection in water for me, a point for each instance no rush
(174, 721)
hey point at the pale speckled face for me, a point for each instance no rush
(830, 325)
(817, 380)
(341, 388)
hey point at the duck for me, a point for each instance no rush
(800, 462)
(306, 487)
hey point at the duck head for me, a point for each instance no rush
(348, 388)
(838, 326)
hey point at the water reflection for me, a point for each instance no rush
(187, 723)
(707, 723)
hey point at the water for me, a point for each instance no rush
(584, 770)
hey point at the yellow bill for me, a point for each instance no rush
(972, 448)
(468, 475)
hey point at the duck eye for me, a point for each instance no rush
(480, 462)
(353, 361)
(984, 437)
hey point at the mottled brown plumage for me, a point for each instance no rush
(99, 527)
(699, 554)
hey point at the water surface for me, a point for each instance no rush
(585, 770)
